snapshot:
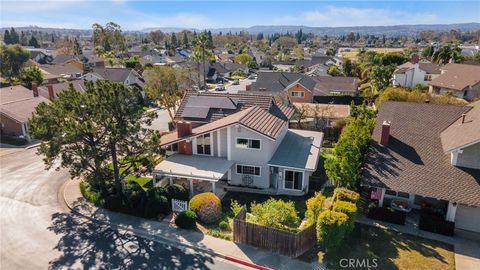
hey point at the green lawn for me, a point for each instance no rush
(248, 198)
(142, 181)
(392, 250)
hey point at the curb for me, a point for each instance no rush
(167, 240)
(33, 146)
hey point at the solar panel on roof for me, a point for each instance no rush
(195, 112)
(212, 102)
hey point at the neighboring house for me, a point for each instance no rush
(411, 75)
(53, 73)
(428, 155)
(317, 70)
(241, 142)
(218, 71)
(127, 76)
(318, 116)
(463, 81)
(153, 56)
(17, 104)
(224, 58)
(300, 87)
(304, 88)
(50, 91)
(85, 62)
(334, 86)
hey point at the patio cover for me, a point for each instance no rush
(194, 166)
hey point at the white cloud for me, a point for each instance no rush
(348, 16)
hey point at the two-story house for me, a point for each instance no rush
(412, 74)
(428, 155)
(460, 80)
(241, 142)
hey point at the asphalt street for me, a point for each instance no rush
(36, 232)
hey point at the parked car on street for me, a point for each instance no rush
(236, 82)
(220, 87)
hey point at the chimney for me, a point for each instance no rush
(414, 58)
(184, 128)
(385, 133)
(51, 94)
(35, 90)
(463, 117)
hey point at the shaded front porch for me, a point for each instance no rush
(410, 210)
(197, 173)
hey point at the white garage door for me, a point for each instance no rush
(468, 218)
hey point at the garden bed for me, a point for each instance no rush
(391, 250)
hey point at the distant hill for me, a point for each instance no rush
(394, 30)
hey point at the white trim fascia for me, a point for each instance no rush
(463, 146)
(219, 144)
(291, 168)
(229, 143)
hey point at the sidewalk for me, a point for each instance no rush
(165, 232)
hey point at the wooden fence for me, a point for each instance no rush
(275, 240)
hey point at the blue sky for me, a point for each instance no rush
(135, 15)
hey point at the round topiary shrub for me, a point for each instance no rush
(224, 226)
(207, 206)
(136, 196)
(186, 220)
(178, 192)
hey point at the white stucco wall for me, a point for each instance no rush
(470, 157)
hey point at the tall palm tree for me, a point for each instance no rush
(201, 52)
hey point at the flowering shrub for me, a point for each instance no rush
(207, 206)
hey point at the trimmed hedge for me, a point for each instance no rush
(156, 205)
(207, 206)
(315, 205)
(178, 192)
(387, 214)
(332, 228)
(434, 223)
(347, 208)
(343, 194)
(186, 220)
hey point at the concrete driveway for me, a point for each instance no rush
(161, 122)
(241, 87)
(36, 233)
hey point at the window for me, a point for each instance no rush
(293, 180)
(297, 94)
(245, 169)
(399, 194)
(248, 143)
(204, 144)
(172, 148)
(427, 77)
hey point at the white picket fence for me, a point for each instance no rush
(179, 206)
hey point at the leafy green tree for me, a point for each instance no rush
(349, 68)
(85, 131)
(333, 70)
(33, 42)
(202, 52)
(133, 62)
(161, 85)
(447, 52)
(276, 213)
(109, 37)
(243, 58)
(12, 59)
(343, 165)
(332, 229)
(31, 75)
(427, 52)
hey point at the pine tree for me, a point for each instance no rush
(173, 41)
(33, 42)
(77, 49)
(7, 38)
(14, 38)
(185, 40)
(210, 40)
